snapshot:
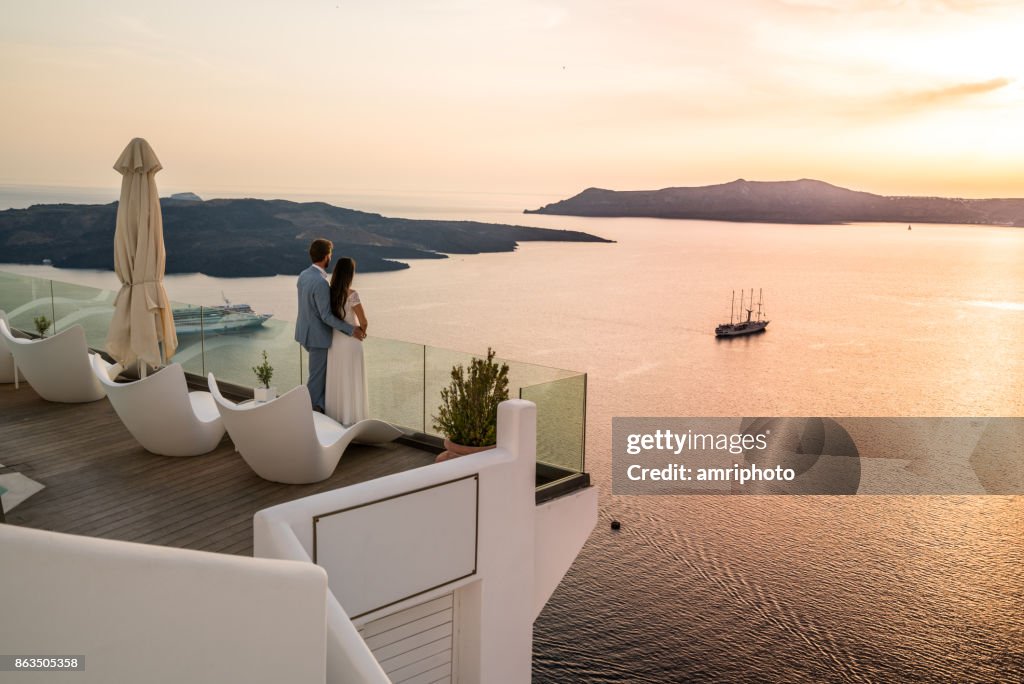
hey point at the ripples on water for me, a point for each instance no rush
(793, 589)
(800, 589)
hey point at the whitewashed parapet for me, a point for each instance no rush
(143, 613)
(495, 600)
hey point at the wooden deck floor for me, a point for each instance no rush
(101, 483)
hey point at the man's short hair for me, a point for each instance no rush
(320, 249)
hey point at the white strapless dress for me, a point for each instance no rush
(346, 397)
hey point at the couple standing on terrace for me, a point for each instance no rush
(331, 326)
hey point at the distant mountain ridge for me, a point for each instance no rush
(799, 201)
(253, 237)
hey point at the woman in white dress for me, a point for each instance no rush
(346, 398)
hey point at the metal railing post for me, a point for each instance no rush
(53, 309)
(202, 341)
(424, 392)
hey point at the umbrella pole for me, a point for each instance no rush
(142, 369)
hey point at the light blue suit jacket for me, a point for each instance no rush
(316, 323)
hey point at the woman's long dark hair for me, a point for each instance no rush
(341, 280)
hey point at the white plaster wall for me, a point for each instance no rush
(348, 657)
(496, 607)
(507, 500)
(141, 613)
(563, 526)
(368, 551)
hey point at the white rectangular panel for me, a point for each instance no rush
(383, 552)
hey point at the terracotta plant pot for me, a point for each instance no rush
(454, 450)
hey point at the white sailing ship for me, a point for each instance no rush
(749, 326)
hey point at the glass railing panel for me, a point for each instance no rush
(561, 418)
(560, 396)
(404, 379)
(437, 375)
(190, 342)
(89, 307)
(522, 375)
(394, 375)
(24, 298)
(232, 345)
(439, 365)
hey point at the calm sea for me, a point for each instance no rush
(867, 320)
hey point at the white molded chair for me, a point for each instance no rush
(162, 414)
(58, 367)
(8, 371)
(284, 440)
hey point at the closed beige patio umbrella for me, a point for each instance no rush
(142, 312)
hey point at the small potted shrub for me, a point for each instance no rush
(468, 414)
(264, 373)
(42, 324)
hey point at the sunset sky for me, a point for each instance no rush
(913, 97)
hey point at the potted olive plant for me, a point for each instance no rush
(468, 414)
(264, 372)
(42, 325)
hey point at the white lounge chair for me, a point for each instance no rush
(162, 414)
(58, 367)
(8, 371)
(284, 440)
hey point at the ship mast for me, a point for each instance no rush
(732, 306)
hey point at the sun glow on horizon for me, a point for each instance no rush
(909, 98)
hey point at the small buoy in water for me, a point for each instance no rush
(615, 524)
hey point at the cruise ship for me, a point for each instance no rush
(226, 318)
(126, 566)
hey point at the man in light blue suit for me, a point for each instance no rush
(316, 322)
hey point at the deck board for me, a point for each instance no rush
(101, 483)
